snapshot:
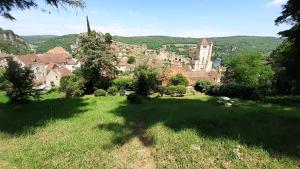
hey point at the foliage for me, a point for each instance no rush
(162, 90)
(20, 82)
(178, 79)
(224, 48)
(249, 69)
(72, 86)
(148, 79)
(134, 99)
(179, 90)
(203, 85)
(112, 91)
(286, 58)
(131, 60)
(127, 83)
(2, 72)
(7, 5)
(97, 67)
(108, 38)
(100, 92)
(242, 91)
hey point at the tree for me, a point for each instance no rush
(286, 59)
(108, 38)
(6, 6)
(20, 81)
(96, 61)
(178, 79)
(148, 79)
(131, 60)
(248, 69)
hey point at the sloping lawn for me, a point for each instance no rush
(189, 132)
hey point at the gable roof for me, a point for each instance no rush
(29, 59)
(203, 42)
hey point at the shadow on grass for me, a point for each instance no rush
(274, 128)
(16, 119)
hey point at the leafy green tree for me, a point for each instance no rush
(6, 6)
(248, 69)
(286, 59)
(131, 60)
(72, 86)
(108, 38)
(96, 61)
(178, 79)
(148, 79)
(2, 71)
(20, 82)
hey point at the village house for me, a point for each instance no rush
(201, 56)
(55, 74)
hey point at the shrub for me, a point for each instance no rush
(148, 79)
(162, 90)
(171, 90)
(126, 83)
(112, 91)
(181, 90)
(72, 86)
(131, 60)
(178, 79)
(100, 92)
(134, 99)
(213, 90)
(122, 92)
(19, 82)
(203, 85)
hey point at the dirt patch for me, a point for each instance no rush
(137, 153)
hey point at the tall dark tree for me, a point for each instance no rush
(20, 81)
(286, 58)
(96, 61)
(108, 38)
(88, 25)
(6, 6)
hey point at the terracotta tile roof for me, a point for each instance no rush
(51, 66)
(58, 50)
(29, 59)
(204, 42)
(56, 58)
(62, 71)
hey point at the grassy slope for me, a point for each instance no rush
(191, 132)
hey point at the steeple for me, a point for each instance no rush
(88, 25)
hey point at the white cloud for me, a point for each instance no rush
(276, 3)
(133, 13)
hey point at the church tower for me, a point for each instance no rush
(202, 58)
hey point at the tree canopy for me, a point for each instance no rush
(6, 6)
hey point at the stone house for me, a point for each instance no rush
(55, 74)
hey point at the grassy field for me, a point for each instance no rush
(189, 132)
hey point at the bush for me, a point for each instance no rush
(213, 90)
(134, 99)
(162, 90)
(126, 83)
(178, 79)
(176, 90)
(112, 91)
(171, 90)
(19, 82)
(131, 60)
(203, 85)
(181, 90)
(100, 92)
(148, 79)
(72, 86)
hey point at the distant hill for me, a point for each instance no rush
(33, 38)
(13, 44)
(224, 46)
(44, 43)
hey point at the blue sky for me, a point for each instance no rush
(185, 18)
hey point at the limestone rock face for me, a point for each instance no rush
(13, 44)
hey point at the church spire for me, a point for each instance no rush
(88, 25)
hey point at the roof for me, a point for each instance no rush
(62, 71)
(29, 59)
(58, 50)
(51, 66)
(203, 42)
(56, 58)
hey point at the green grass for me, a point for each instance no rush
(106, 132)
